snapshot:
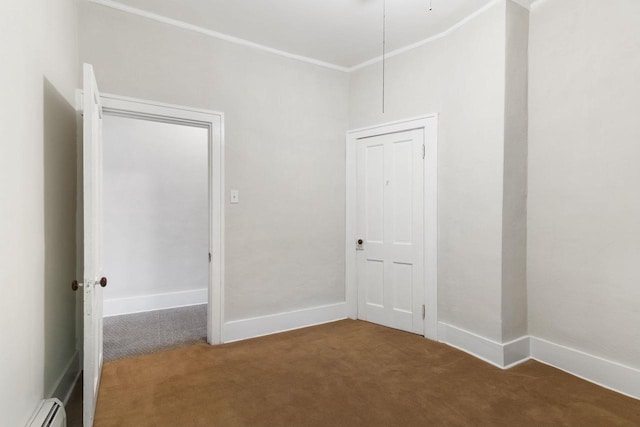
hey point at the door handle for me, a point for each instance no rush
(75, 285)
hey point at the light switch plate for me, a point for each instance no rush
(235, 196)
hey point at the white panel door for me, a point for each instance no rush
(93, 280)
(390, 258)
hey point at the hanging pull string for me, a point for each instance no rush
(430, 5)
(384, 49)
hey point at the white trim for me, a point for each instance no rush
(124, 106)
(144, 303)
(429, 123)
(67, 380)
(423, 42)
(214, 121)
(215, 34)
(397, 125)
(600, 371)
(281, 322)
(516, 351)
(346, 69)
(503, 356)
(605, 373)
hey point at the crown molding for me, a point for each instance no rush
(242, 42)
(415, 45)
(221, 36)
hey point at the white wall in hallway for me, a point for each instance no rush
(156, 211)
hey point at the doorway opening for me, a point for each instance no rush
(162, 226)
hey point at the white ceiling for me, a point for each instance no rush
(341, 32)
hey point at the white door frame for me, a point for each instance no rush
(213, 121)
(429, 123)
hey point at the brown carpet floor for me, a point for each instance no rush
(347, 373)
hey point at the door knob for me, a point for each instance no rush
(360, 241)
(75, 285)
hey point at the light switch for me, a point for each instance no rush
(235, 196)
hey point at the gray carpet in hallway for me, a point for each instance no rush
(142, 333)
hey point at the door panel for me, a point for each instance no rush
(402, 177)
(374, 155)
(390, 223)
(92, 196)
(375, 283)
(403, 287)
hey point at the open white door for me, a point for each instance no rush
(93, 280)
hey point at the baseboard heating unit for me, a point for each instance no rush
(50, 413)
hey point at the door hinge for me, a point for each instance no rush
(209, 256)
(424, 151)
(424, 311)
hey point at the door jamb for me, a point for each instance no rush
(429, 123)
(213, 121)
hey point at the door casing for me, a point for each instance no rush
(213, 121)
(429, 123)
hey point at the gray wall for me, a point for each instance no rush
(285, 123)
(514, 209)
(37, 212)
(584, 176)
(462, 77)
(155, 211)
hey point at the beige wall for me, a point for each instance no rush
(285, 123)
(37, 213)
(460, 76)
(584, 177)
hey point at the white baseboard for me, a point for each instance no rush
(139, 304)
(614, 376)
(266, 325)
(516, 352)
(503, 356)
(64, 385)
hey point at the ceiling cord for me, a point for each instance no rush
(384, 49)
